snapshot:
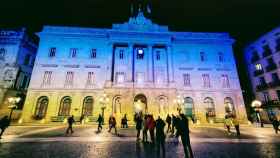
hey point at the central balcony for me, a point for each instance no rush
(258, 72)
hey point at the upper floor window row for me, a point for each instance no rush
(72, 53)
(203, 56)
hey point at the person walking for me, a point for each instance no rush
(139, 122)
(227, 124)
(184, 132)
(235, 122)
(99, 120)
(145, 128)
(275, 124)
(160, 136)
(168, 121)
(70, 121)
(124, 122)
(151, 127)
(4, 123)
(112, 124)
(173, 124)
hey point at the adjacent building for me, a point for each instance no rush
(263, 64)
(132, 67)
(17, 56)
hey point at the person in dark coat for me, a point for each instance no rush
(112, 124)
(151, 127)
(145, 128)
(124, 122)
(275, 124)
(168, 121)
(70, 121)
(100, 121)
(173, 123)
(139, 122)
(160, 136)
(4, 123)
(183, 131)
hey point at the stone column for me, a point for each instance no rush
(130, 62)
(150, 75)
(170, 67)
(110, 61)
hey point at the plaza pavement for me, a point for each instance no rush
(86, 142)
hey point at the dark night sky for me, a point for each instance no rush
(245, 20)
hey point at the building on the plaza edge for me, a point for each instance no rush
(132, 67)
(262, 57)
(17, 56)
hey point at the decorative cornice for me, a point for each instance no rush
(49, 65)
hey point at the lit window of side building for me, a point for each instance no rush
(137, 66)
(262, 60)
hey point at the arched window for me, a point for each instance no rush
(41, 107)
(210, 107)
(229, 106)
(188, 106)
(65, 106)
(117, 105)
(87, 106)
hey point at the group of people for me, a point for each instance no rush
(232, 121)
(179, 123)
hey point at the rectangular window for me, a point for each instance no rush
(73, 52)
(69, 78)
(24, 82)
(120, 77)
(266, 96)
(157, 55)
(258, 67)
(47, 78)
(262, 81)
(93, 53)
(225, 81)
(140, 53)
(121, 54)
(139, 77)
(2, 53)
(202, 56)
(52, 52)
(206, 80)
(221, 57)
(91, 78)
(26, 59)
(186, 78)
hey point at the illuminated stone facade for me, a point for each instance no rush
(17, 55)
(140, 66)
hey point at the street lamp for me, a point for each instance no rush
(103, 101)
(12, 104)
(179, 101)
(256, 105)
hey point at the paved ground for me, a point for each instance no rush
(51, 142)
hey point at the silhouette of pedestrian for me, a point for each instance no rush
(173, 123)
(139, 122)
(183, 131)
(99, 120)
(4, 123)
(145, 128)
(236, 125)
(168, 121)
(275, 124)
(70, 121)
(124, 122)
(151, 127)
(160, 136)
(112, 124)
(227, 123)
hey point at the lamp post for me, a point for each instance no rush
(179, 101)
(12, 104)
(256, 105)
(103, 101)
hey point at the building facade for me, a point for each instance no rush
(132, 67)
(262, 57)
(17, 56)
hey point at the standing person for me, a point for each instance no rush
(151, 127)
(160, 136)
(145, 128)
(227, 124)
(99, 120)
(70, 121)
(173, 123)
(139, 122)
(184, 132)
(112, 124)
(235, 122)
(4, 123)
(275, 124)
(124, 122)
(168, 121)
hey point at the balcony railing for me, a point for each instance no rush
(270, 67)
(258, 72)
(262, 87)
(255, 58)
(274, 84)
